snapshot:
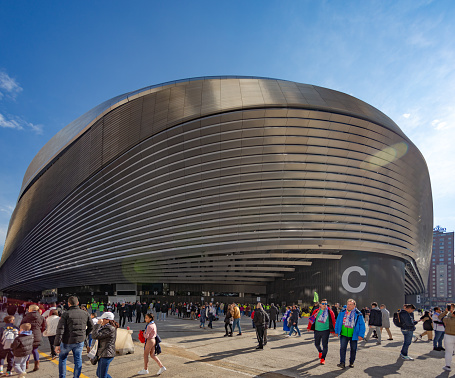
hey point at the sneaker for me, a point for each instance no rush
(320, 355)
(322, 361)
(378, 343)
(288, 335)
(143, 372)
(389, 339)
(408, 358)
(442, 349)
(447, 368)
(162, 370)
(9, 373)
(341, 365)
(351, 365)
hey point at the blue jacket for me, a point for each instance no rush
(359, 324)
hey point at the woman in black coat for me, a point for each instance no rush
(38, 326)
(106, 334)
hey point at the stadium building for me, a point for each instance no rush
(216, 186)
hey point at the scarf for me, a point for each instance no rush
(349, 320)
(324, 315)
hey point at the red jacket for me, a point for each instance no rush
(311, 323)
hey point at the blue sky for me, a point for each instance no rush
(60, 59)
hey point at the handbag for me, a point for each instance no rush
(93, 350)
(92, 355)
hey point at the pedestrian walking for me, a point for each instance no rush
(149, 347)
(285, 320)
(138, 312)
(22, 346)
(322, 322)
(51, 330)
(448, 318)
(73, 327)
(439, 330)
(34, 318)
(427, 326)
(350, 327)
(236, 316)
(261, 320)
(106, 334)
(407, 324)
(374, 323)
(8, 334)
(386, 321)
(294, 316)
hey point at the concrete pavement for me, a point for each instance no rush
(189, 351)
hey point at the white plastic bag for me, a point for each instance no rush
(93, 350)
(124, 342)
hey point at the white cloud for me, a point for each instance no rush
(406, 115)
(19, 124)
(8, 85)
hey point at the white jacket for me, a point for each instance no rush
(51, 325)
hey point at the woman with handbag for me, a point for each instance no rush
(150, 343)
(105, 331)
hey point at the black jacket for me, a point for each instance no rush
(144, 308)
(73, 327)
(38, 326)
(106, 336)
(375, 317)
(295, 316)
(261, 318)
(122, 311)
(22, 345)
(273, 313)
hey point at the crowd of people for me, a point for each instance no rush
(70, 327)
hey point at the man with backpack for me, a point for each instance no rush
(7, 333)
(407, 324)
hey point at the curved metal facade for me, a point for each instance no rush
(218, 180)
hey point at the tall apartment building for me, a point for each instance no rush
(441, 287)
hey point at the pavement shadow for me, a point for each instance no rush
(384, 370)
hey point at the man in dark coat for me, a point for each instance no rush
(138, 312)
(273, 316)
(73, 327)
(374, 323)
(145, 308)
(261, 319)
(122, 311)
(38, 326)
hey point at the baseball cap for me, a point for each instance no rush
(107, 315)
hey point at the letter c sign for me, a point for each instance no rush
(345, 279)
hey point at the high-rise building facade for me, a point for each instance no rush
(236, 185)
(441, 280)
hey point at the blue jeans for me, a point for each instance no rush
(344, 346)
(103, 367)
(294, 327)
(407, 341)
(236, 322)
(437, 341)
(65, 349)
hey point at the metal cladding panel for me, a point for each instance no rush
(216, 167)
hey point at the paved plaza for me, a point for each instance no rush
(189, 351)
